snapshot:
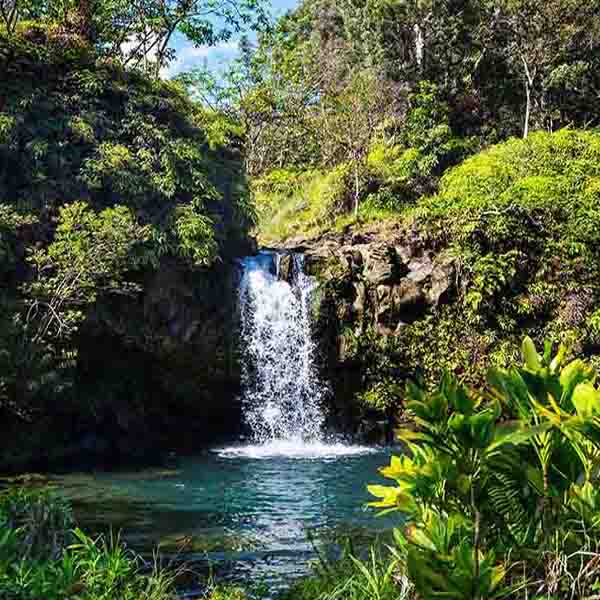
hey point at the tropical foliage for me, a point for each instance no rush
(105, 175)
(399, 92)
(137, 34)
(43, 555)
(514, 219)
(497, 486)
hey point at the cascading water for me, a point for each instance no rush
(282, 391)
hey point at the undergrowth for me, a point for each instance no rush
(43, 555)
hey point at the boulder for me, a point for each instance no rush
(384, 311)
(319, 256)
(404, 253)
(419, 269)
(360, 300)
(380, 264)
(286, 270)
(442, 280)
(408, 294)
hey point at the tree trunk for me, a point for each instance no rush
(10, 14)
(356, 189)
(419, 46)
(86, 11)
(527, 110)
(528, 86)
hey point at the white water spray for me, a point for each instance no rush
(282, 391)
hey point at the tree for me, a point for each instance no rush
(90, 254)
(545, 39)
(349, 121)
(140, 32)
(203, 22)
(10, 13)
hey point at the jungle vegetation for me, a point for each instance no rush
(496, 493)
(473, 124)
(107, 172)
(471, 127)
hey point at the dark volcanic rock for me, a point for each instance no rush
(286, 270)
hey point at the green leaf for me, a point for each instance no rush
(530, 356)
(586, 399)
(515, 435)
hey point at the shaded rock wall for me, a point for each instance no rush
(169, 358)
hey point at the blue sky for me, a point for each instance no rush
(215, 57)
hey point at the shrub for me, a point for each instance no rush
(499, 475)
(90, 254)
(41, 520)
(517, 222)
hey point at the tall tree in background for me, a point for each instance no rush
(547, 43)
(10, 12)
(350, 119)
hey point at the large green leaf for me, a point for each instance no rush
(531, 358)
(586, 399)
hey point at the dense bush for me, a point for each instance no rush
(73, 128)
(516, 221)
(408, 165)
(499, 487)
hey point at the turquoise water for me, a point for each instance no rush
(247, 513)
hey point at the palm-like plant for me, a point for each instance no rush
(564, 402)
(493, 472)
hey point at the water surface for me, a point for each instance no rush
(247, 511)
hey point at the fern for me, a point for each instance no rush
(506, 499)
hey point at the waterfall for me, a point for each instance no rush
(282, 391)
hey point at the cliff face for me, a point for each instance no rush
(155, 373)
(378, 286)
(176, 348)
(390, 281)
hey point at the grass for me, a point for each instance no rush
(378, 575)
(556, 174)
(291, 204)
(42, 556)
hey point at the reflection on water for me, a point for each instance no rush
(231, 506)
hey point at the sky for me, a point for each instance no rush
(214, 57)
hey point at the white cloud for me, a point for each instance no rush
(189, 56)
